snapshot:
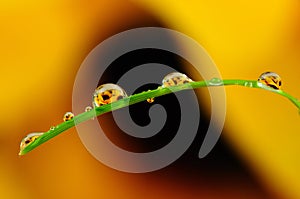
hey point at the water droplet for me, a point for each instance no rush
(248, 84)
(107, 93)
(150, 100)
(175, 78)
(88, 108)
(29, 139)
(68, 116)
(52, 128)
(271, 80)
(215, 82)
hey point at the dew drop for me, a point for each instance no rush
(52, 128)
(29, 139)
(271, 80)
(248, 84)
(175, 78)
(68, 116)
(215, 82)
(107, 93)
(88, 108)
(150, 100)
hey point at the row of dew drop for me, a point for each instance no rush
(108, 93)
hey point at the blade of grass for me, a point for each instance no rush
(136, 98)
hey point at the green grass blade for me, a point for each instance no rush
(136, 98)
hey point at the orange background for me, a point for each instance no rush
(42, 45)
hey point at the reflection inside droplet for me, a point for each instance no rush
(29, 139)
(68, 116)
(88, 108)
(175, 78)
(107, 93)
(271, 80)
(150, 100)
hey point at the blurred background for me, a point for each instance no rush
(42, 45)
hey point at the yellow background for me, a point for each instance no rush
(42, 44)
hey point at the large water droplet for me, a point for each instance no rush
(215, 82)
(29, 139)
(107, 93)
(271, 80)
(175, 78)
(68, 116)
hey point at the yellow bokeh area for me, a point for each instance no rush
(43, 43)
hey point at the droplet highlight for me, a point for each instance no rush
(68, 116)
(175, 78)
(215, 82)
(108, 93)
(52, 128)
(29, 139)
(271, 80)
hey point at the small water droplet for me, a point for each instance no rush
(68, 116)
(175, 78)
(215, 82)
(88, 108)
(107, 93)
(29, 139)
(271, 80)
(248, 84)
(52, 128)
(150, 100)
